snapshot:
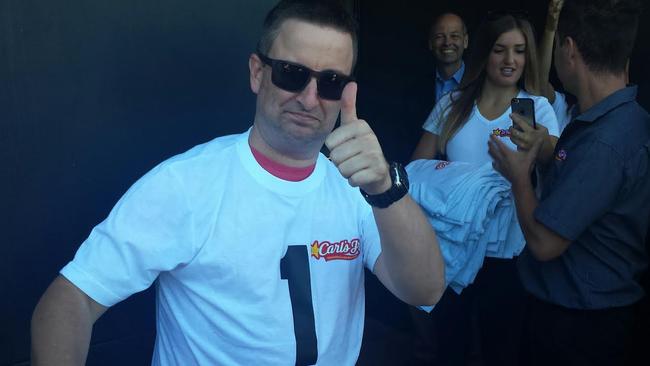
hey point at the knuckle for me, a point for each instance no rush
(345, 173)
(330, 141)
(334, 157)
(353, 182)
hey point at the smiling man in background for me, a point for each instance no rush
(448, 39)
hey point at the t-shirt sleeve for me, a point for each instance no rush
(148, 231)
(438, 115)
(561, 109)
(583, 190)
(545, 116)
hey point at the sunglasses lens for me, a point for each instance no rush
(289, 77)
(331, 84)
(295, 77)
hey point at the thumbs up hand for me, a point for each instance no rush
(355, 150)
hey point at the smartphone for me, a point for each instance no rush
(526, 108)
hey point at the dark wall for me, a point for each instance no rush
(93, 95)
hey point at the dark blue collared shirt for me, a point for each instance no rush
(596, 193)
(445, 86)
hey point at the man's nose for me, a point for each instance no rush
(308, 97)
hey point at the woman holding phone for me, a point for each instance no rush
(502, 65)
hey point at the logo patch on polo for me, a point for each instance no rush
(342, 250)
(561, 155)
(500, 132)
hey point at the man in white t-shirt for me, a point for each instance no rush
(258, 242)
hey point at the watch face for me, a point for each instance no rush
(400, 178)
(397, 176)
(398, 189)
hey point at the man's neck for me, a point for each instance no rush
(287, 158)
(595, 87)
(446, 71)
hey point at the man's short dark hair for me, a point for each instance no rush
(329, 13)
(439, 16)
(604, 31)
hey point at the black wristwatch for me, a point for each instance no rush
(398, 189)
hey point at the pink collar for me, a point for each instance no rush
(282, 171)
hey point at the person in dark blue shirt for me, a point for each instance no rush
(586, 235)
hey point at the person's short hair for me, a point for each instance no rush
(437, 18)
(603, 30)
(328, 13)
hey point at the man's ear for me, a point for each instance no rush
(466, 42)
(571, 49)
(255, 67)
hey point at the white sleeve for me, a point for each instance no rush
(370, 236)
(561, 109)
(148, 231)
(545, 115)
(438, 115)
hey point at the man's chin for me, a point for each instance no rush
(448, 59)
(305, 133)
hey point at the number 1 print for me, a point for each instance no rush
(294, 267)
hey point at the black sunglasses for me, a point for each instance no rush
(294, 78)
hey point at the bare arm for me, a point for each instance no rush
(524, 136)
(542, 242)
(516, 166)
(62, 325)
(546, 152)
(426, 147)
(410, 265)
(545, 48)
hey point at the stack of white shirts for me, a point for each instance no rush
(470, 207)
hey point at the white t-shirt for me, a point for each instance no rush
(562, 110)
(471, 209)
(469, 144)
(214, 228)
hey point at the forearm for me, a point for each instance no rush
(546, 152)
(62, 326)
(410, 253)
(545, 52)
(426, 147)
(545, 56)
(516, 167)
(542, 242)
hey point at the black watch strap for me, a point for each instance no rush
(398, 189)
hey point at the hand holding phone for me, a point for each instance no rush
(526, 108)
